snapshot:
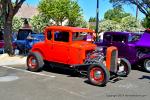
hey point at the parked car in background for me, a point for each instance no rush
(134, 47)
(26, 38)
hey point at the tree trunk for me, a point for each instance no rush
(9, 9)
(8, 48)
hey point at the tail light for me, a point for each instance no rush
(112, 58)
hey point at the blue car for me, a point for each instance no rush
(26, 38)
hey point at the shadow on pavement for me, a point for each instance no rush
(145, 77)
(87, 82)
(68, 72)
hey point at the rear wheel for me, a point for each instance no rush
(35, 62)
(98, 75)
(124, 67)
(147, 65)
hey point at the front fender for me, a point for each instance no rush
(144, 56)
(39, 51)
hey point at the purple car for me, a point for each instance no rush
(132, 46)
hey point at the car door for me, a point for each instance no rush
(49, 44)
(60, 47)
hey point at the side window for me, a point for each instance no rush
(49, 35)
(107, 38)
(119, 38)
(61, 36)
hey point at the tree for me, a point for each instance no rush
(109, 25)
(39, 22)
(8, 11)
(17, 24)
(130, 23)
(83, 24)
(92, 19)
(115, 14)
(60, 10)
(80, 22)
(74, 14)
(143, 5)
(1, 24)
(146, 22)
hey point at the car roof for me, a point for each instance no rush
(124, 33)
(121, 33)
(68, 28)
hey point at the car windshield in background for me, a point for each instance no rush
(23, 34)
(133, 38)
(81, 36)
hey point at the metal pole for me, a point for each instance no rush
(137, 10)
(97, 19)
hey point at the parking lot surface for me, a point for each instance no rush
(16, 83)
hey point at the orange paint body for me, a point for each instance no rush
(71, 52)
(109, 57)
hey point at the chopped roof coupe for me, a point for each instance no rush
(132, 46)
(67, 47)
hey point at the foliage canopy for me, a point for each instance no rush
(61, 10)
(115, 14)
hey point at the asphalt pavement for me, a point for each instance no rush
(16, 83)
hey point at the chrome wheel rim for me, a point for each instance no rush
(121, 68)
(147, 65)
(32, 62)
(97, 74)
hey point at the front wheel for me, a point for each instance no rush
(124, 67)
(147, 65)
(98, 75)
(34, 61)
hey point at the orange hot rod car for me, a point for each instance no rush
(67, 46)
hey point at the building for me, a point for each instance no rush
(27, 12)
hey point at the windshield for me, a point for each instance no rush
(23, 34)
(133, 38)
(81, 36)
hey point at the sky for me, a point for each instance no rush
(89, 8)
